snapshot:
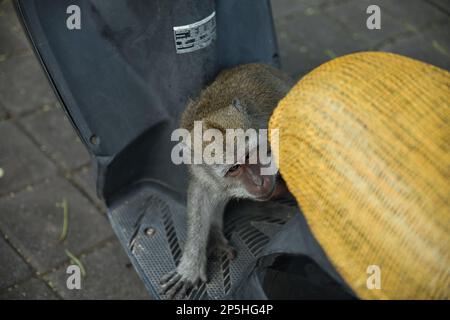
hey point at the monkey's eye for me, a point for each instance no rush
(234, 170)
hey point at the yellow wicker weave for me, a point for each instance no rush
(364, 148)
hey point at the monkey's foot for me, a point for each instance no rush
(179, 282)
(219, 245)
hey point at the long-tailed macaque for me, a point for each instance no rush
(240, 98)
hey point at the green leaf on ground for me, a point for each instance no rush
(65, 208)
(77, 261)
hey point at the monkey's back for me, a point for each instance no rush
(258, 87)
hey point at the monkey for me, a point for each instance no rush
(239, 98)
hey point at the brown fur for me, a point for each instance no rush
(253, 84)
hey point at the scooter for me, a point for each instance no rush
(123, 72)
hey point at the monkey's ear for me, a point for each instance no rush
(237, 104)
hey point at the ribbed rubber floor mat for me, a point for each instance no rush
(151, 226)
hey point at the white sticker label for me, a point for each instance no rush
(195, 36)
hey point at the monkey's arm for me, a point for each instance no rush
(202, 205)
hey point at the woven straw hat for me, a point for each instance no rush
(365, 149)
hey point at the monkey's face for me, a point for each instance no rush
(247, 177)
(246, 181)
(252, 175)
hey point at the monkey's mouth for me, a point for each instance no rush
(272, 185)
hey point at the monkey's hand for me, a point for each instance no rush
(188, 274)
(218, 245)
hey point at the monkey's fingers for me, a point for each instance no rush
(225, 249)
(168, 276)
(182, 294)
(168, 286)
(231, 253)
(172, 293)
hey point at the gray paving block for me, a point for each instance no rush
(296, 60)
(3, 113)
(85, 179)
(22, 162)
(57, 137)
(352, 15)
(109, 275)
(431, 46)
(33, 289)
(33, 221)
(443, 5)
(23, 85)
(308, 40)
(12, 38)
(12, 267)
(282, 8)
(416, 13)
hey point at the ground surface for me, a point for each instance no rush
(43, 161)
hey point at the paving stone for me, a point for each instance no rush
(415, 13)
(3, 113)
(443, 5)
(296, 61)
(12, 268)
(33, 289)
(308, 40)
(23, 85)
(86, 180)
(282, 8)
(33, 221)
(352, 15)
(22, 162)
(109, 275)
(431, 46)
(57, 137)
(12, 37)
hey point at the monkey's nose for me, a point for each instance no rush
(254, 173)
(258, 180)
